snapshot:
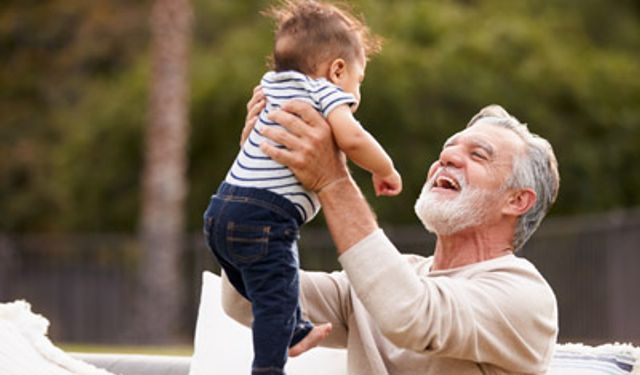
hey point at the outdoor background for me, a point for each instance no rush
(119, 118)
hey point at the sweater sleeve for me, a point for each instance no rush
(388, 287)
(234, 304)
(325, 297)
(506, 318)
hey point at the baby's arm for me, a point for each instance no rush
(364, 150)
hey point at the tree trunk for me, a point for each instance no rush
(162, 225)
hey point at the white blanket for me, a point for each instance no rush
(25, 348)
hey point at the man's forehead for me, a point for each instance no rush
(487, 135)
(476, 138)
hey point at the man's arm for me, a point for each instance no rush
(326, 298)
(234, 304)
(347, 213)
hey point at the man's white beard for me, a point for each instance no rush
(446, 216)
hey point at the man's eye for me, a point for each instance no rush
(479, 155)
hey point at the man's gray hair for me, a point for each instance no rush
(537, 169)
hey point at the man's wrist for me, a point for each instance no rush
(347, 212)
(332, 185)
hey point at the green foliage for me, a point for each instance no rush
(443, 61)
(74, 80)
(53, 52)
(98, 162)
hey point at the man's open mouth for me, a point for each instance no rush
(446, 182)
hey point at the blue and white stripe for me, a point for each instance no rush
(252, 168)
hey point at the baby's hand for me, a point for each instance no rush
(388, 185)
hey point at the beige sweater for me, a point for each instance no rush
(397, 317)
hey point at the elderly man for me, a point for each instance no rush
(471, 308)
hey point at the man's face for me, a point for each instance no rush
(465, 186)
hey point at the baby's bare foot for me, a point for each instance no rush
(317, 334)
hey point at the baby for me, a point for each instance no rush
(252, 222)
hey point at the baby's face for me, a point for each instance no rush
(354, 75)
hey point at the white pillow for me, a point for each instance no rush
(608, 359)
(223, 346)
(25, 348)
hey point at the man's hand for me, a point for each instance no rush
(311, 152)
(254, 107)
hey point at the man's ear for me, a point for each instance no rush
(520, 201)
(337, 70)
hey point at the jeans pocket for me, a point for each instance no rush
(247, 243)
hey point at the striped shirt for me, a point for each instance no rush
(252, 168)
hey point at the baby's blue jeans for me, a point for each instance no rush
(253, 234)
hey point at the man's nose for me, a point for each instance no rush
(451, 157)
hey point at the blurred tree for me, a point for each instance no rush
(164, 184)
(54, 55)
(73, 81)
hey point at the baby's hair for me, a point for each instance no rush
(309, 33)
